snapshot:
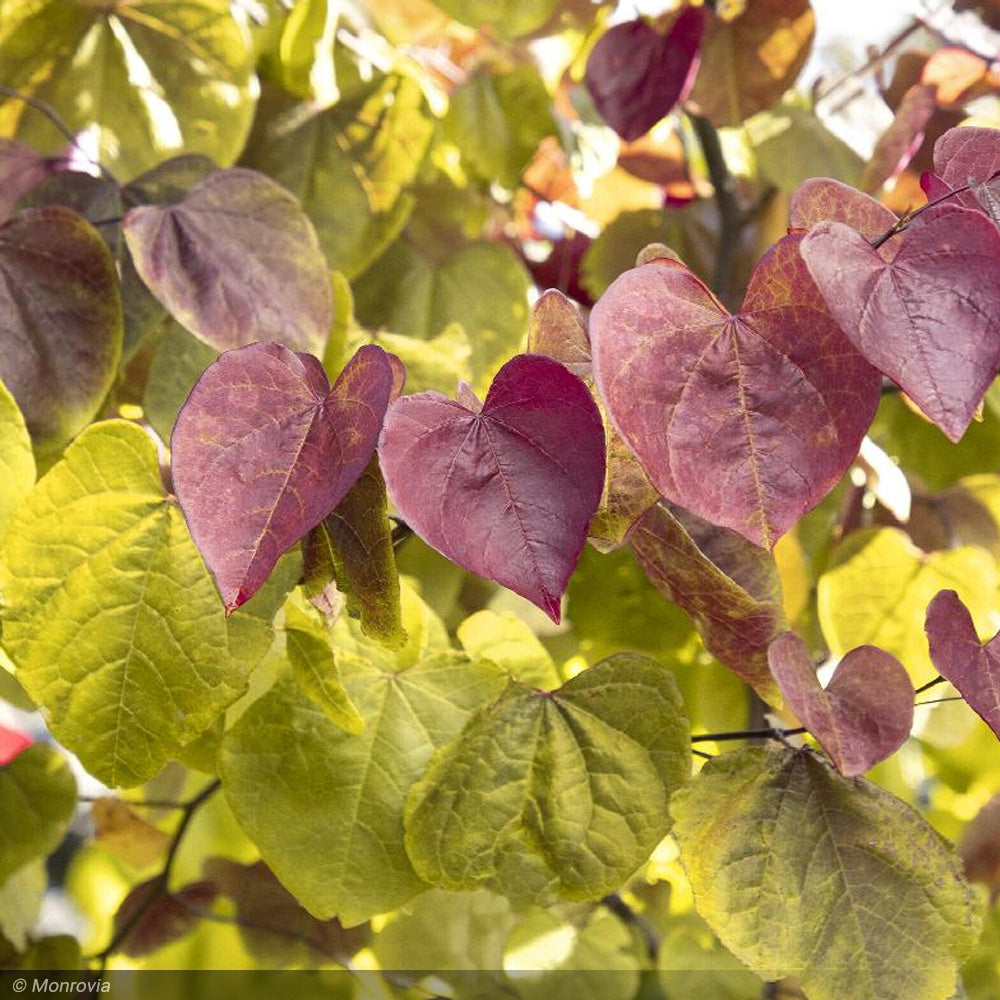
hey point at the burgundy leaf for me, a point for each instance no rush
(927, 318)
(235, 261)
(506, 491)
(264, 449)
(155, 918)
(60, 321)
(20, 170)
(966, 153)
(728, 587)
(959, 656)
(12, 742)
(746, 420)
(636, 75)
(864, 714)
(933, 186)
(821, 199)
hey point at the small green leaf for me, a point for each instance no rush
(37, 801)
(509, 643)
(353, 545)
(792, 145)
(147, 79)
(554, 794)
(109, 614)
(483, 287)
(880, 584)
(17, 463)
(497, 120)
(314, 668)
(802, 872)
(438, 364)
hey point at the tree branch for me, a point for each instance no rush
(730, 214)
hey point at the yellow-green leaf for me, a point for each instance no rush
(37, 802)
(880, 584)
(17, 463)
(508, 642)
(146, 79)
(832, 880)
(110, 615)
(304, 789)
(548, 794)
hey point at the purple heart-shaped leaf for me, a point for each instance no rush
(964, 154)
(236, 260)
(959, 656)
(264, 449)
(636, 75)
(927, 317)
(506, 491)
(864, 714)
(746, 420)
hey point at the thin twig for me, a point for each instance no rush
(158, 885)
(749, 734)
(138, 803)
(901, 223)
(44, 108)
(929, 685)
(616, 905)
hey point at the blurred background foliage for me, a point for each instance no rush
(453, 163)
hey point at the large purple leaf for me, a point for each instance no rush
(746, 420)
(60, 321)
(558, 331)
(264, 449)
(728, 587)
(235, 261)
(959, 656)
(636, 75)
(927, 318)
(864, 714)
(508, 490)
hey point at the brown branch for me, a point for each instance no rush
(731, 219)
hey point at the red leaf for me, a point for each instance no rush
(508, 491)
(637, 75)
(821, 199)
(746, 420)
(12, 743)
(961, 658)
(264, 449)
(927, 318)
(236, 261)
(864, 714)
(160, 917)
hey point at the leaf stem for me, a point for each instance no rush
(616, 905)
(901, 223)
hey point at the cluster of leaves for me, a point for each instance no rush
(245, 410)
